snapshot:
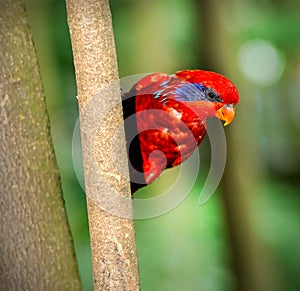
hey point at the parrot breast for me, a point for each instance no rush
(169, 132)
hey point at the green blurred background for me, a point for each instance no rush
(249, 230)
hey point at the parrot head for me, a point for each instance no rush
(209, 93)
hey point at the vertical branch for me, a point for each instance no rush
(35, 244)
(112, 234)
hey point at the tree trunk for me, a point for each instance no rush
(109, 203)
(36, 250)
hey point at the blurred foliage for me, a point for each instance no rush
(188, 248)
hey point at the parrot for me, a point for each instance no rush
(165, 119)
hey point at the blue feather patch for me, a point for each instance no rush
(189, 92)
(157, 94)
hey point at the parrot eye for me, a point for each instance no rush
(211, 95)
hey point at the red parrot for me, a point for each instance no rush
(165, 118)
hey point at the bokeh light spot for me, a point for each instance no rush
(261, 62)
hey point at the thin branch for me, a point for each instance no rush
(114, 257)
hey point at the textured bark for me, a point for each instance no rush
(113, 246)
(35, 243)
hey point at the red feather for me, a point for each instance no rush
(170, 117)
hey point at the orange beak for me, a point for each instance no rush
(226, 113)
